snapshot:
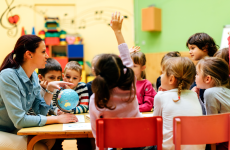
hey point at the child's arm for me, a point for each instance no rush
(148, 99)
(83, 94)
(116, 24)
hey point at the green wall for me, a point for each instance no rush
(181, 19)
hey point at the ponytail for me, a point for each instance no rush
(110, 73)
(102, 93)
(9, 62)
(24, 43)
(180, 87)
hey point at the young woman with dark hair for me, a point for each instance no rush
(20, 90)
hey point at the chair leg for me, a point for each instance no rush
(213, 146)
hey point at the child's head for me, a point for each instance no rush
(139, 61)
(170, 55)
(51, 72)
(72, 73)
(212, 72)
(95, 58)
(223, 53)
(109, 71)
(201, 45)
(178, 72)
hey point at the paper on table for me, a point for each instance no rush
(87, 117)
(77, 126)
(80, 118)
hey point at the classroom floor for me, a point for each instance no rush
(69, 144)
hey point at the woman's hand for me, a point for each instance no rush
(116, 22)
(67, 118)
(57, 85)
(59, 112)
(134, 49)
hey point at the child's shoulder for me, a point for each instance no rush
(144, 82)
(81, 84)
(212, 92)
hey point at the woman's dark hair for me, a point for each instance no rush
(204, 42)
(223, 53)
(24, 43)
(109, 71)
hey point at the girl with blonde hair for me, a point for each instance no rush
(178, 73)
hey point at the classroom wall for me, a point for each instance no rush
(180, 19)
(97, 34)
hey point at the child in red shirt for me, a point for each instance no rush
(144, 89)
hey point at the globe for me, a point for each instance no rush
(67, 100)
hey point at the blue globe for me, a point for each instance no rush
(67, 100)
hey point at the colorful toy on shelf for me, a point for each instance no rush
(52, 24)
(74, 39)
(41, 34)
(23, 31)
(52, 40)
(33, 31)
(70, 39)
(53, 34)
(63, 37)
(78, 40)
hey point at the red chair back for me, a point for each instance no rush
(194, 130)
(129, 132)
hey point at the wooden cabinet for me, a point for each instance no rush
(151, 19)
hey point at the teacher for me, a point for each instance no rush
(20, 90)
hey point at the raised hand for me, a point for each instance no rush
(116, 22)
(134, 49)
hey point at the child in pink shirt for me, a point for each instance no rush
(114, 86)
(144, 89)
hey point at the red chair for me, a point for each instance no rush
(129, 132)
(194, 130)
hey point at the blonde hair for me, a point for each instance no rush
(73, 65)
(139, 58)
(183, 69)
(215, 67)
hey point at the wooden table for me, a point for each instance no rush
(55, 131)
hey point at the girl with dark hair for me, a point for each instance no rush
(20, 90)
(201, 45)
(114, 86)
